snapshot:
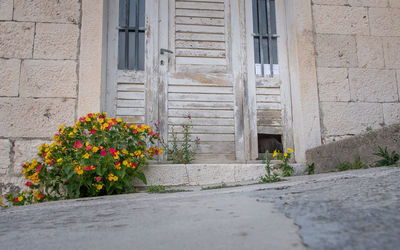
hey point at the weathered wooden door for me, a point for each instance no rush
(196, 80)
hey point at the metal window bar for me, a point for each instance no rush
(127, 29)
(269, 36)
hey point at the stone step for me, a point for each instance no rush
(207, 174)
(327, 157)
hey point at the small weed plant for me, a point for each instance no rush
(287, 170)
(97, 156)
(269, 177)
(356, 164)
(310, 169)
(155, 189)
(184, 151)
(387, 158)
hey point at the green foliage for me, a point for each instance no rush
(182, 152)
(357, 164)
(160, 189)
(269, 177)
(310, 169)
(343, 166)
(155, 189)
(287, 170)
(387, 159)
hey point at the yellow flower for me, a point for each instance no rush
(285, 154)
(160, 151)
(95, 149)
(79, 170)
(275, 153)
(87, 119)
(119, 120)
(125, 162)
(290, 150)
(99, 186)
(112, 177)
(124, 151)
(75, 131)
(59, 160)
(116, 157)
(20, 198)
(1, 203)
(101, 120)
(86, 156)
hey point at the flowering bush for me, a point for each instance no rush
(287, 170)
(97, 156)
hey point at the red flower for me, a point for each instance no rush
(98, 178)
(51, 163)
(139, 126)
(113, 150)
(103, 153)
(88, 147)
(93, 131)
(134, 131)
(134, 165)
(28, 184)
(156, 151)
(78, 144)
(39, 167)
(15, 200)
(90, 115)
(41, 196)
(82, 119)
(151, 133)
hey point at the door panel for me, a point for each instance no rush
(198, 82)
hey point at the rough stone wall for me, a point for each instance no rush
(39, 51)
(358, 65)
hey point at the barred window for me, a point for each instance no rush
(265, 37)
(131, 34)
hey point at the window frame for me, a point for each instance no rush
(127, 30)
(270, 37)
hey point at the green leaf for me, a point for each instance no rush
(141, 176)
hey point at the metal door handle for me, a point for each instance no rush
(162, 51)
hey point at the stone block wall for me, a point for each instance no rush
(39, 52)
(357, 46)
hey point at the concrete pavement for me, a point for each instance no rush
(348, 210)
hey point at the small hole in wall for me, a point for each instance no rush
(268, 142)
